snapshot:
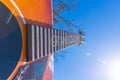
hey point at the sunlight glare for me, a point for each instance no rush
(114, 70)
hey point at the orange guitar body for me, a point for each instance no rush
(36, 12)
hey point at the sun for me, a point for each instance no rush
(114, 70)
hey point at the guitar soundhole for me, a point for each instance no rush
(10, 42)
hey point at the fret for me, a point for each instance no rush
(62, 39)
(55, 41)
(68, 38)
(38, 41)
(51, 41)
(45, 41)
(33, 42)
(49, 51)
(65, 39)
(41, 38)
(52, 45)
(59, 40)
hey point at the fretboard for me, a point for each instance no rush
(42, 41)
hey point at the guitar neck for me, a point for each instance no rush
(42, 41)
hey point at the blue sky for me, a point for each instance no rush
(99, 57)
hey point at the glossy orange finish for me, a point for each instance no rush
(34, 11)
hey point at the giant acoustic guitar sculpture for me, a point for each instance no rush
(27, 40)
